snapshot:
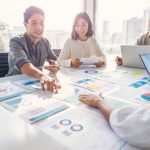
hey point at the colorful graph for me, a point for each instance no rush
(146, 96)
(138, 84)
(145, 78)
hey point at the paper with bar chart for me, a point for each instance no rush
(34, 107)
(9, 90)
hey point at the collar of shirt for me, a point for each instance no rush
(30, 41)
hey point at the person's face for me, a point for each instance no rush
(35, 26)
(81, 27)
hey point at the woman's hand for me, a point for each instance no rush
(99, 64)
(97, 101)
(75, 63)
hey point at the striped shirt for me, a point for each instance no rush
(23, 50)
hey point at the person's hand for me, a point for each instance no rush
(48, 84)
(99, 64)
(91, 99)
(53, 67)
(75, 63)
(118, 61)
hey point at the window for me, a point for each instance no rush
(121, 22)
(59, 16)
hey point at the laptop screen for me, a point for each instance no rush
(146, 61)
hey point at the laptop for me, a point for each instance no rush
(146, 61)
(130, 55)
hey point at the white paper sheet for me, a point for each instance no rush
(95, 85)
(31, 84)
(12, 104)
(90, 61)
(120, 77)
(140, 95)
(9, 90)
(80, 131)
(34, 107)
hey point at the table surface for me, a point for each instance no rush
(16, 134)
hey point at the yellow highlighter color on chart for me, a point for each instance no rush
(137, 73)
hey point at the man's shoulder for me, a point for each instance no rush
(19, 38)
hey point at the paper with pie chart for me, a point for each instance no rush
(76, 129)
(131, 94)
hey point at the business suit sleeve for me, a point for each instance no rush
(132, 125)
(17, 53)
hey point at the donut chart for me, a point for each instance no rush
(146, 96)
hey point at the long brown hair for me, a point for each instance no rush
(84, 16)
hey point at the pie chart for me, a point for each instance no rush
(146, 96)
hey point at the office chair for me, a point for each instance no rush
(57, 51)
(3, 64)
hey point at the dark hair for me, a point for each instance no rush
(84, 16)
(30, 11)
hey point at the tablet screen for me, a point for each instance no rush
(146, 61)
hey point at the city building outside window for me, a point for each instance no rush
(120, 22)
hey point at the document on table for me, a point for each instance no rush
(90, 60)
(12, 103)
(120, 77)
(9, 90)
(30, 83)
(95, 85)
(35, 107)
(70, 93)
(138, 92)
(79, 130)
